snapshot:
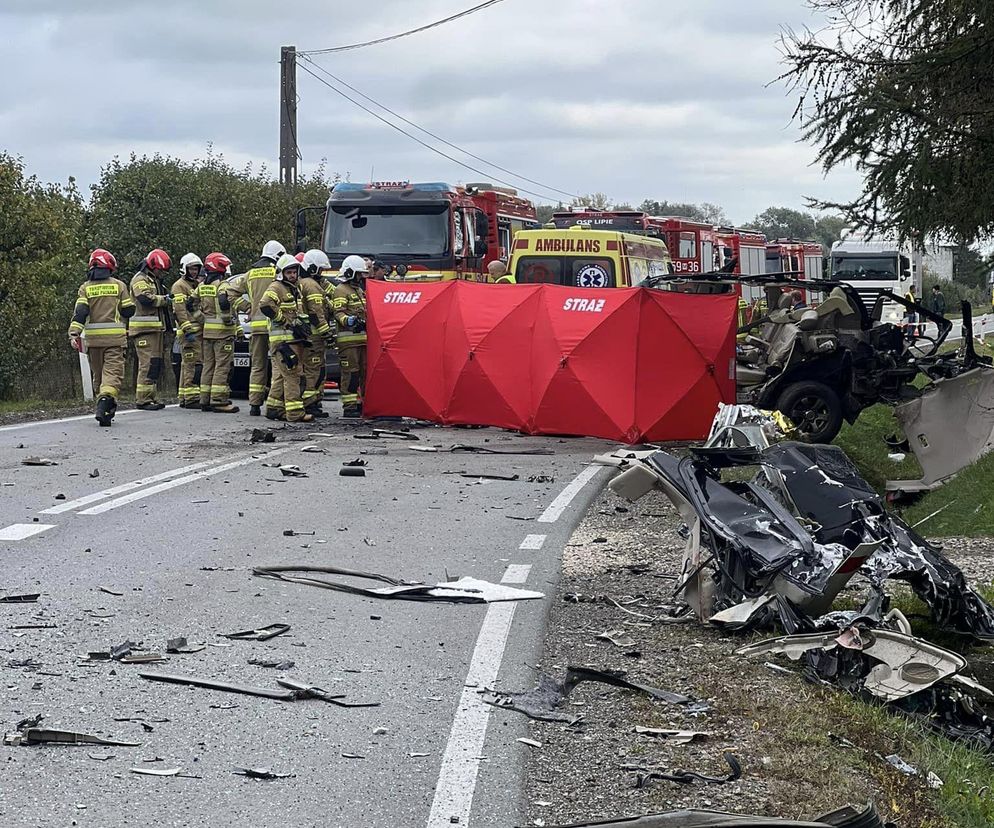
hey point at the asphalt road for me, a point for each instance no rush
(181, 510)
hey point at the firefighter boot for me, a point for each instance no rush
(255, 410)
(227, 408)
(150, 406)
(104, 411)
(351, 412)
(206, 406)
(275, 415)
(315, 410)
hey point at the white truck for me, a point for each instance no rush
(874, 265)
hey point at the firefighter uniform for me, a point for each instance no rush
(254, 283)
(281, 304)
(349, 304)
(315, 310)
(147, 330)
(103, 303)
(218, 350)
(190, 326)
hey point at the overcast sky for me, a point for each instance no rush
(663, 99)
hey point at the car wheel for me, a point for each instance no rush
(814, 408)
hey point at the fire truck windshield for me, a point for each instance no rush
(417, 231)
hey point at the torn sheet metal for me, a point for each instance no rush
(685, 777)
(261, 773)
(463, 590)
(676, 737)
(23, 598)
(43, 736)
(292, 690)
(261, 634)
(847, 817)
(543, 702)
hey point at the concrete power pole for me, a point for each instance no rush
(288, 115)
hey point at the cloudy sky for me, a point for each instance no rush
(663, 99)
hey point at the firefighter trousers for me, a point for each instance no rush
(218, 356)
(284, 391)
(148, 349)
(352, 359)
(314, 371)
(107, 368)
(189, 371)
(259, 373)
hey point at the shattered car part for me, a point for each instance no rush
(293, 690)
(676, 737)
(619, 638)
(23, 598)
(292, 471)
(261, 634)
(486, 476)
(261, 773)
(276, 665)
(38, 461)
(43, 736)
(847, 817)
(542, 703)
(262, 435)
(684, 777)
(181, 645)
(463, 590)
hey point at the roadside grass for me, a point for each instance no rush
(864, 442)
(31, 405)
(965, 501)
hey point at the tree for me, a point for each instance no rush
(784, 223)
(705, 212)
(899, 89)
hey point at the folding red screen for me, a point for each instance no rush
(628, 364)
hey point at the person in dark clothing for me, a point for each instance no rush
(938, 303)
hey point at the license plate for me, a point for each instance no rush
(241, 361)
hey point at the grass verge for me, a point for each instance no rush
(31, 405)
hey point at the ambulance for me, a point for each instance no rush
(580, 257)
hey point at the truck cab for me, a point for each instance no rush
(875, 266)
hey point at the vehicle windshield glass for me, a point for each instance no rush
(570, 271)
(372, 231)
(869, 267)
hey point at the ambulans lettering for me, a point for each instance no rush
(567, 245)
(588, 305)
(396, 297)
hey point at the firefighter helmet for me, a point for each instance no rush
(273, 250)
(352, 265)
(315, 261)
(188, 261)
(158, 259)
(102, 258)
(218, 263)
(286, 262)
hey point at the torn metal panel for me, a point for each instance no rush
(676, 737)
(847, 817)
(293, 690)
(23, 598)
(261, 634)
(685, 777)
(464, 590)
(261, 773)
(41, 736)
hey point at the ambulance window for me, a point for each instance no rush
(688, 246)
(596, 273)
(533, 270)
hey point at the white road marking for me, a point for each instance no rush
(70, 505)
(461, 760)
(75, 419)
(565, 497)
(20, 531)
(100, 508)
(533, 542)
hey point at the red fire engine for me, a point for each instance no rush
(803, 258)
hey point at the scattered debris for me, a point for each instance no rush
(263, 435)
(312, 450)
(530, 742)
(847, 817)
(293, 690)
(260, 634)
(351, 471)
(38, 461)
(676, 737)
(261, 773)
(293, 533)
(276, 665)
(30, 735)
(542, 702)
(23, 598)
(354, 463)
(178, 772)
(292, 471)
(485, 450)
(101, 757)
(180, 645)
(897, 762)
(380, 731)
(110, 591)
(353, 755)
(507, 477)
(619, 638)
(541, 478)
(684, 777)
(463, 590)
(95, 473)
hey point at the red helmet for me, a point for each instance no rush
(103, 258)
(217, 263)
(158, 259)
(299, 256)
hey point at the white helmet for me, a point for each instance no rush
(273, 250)
(356, 264)
(187, 260)
(315, 261)
(286, 260)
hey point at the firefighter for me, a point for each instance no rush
(287, 334)
(190, 326)
(315, 309)
(103, 306)
(148, 327)
(219, 336)
(349, 305)
(253, 283)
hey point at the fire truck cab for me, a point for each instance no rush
(428, 231)
(803, 259)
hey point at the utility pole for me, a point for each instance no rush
(288, 115)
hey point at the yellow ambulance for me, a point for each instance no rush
(580, 257)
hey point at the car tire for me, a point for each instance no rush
(814, 408)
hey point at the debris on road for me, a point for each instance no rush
(110, 591)
(354, 463)
(487, 450)
(43, 736)
(484, 476)
(293, 533)
(541, 478)
(543, 701)
(181, 645)
(266, 662)
(262, 435)
(38, 461)
(530, 742)
(463, 590)
(94, 474)
(685, 777)
(847, 817)
(292, 471)
(261, 773)
(293, 690)
(676, 737)
(260, 634)
(619, 638)
(22, 598)
(351, 471)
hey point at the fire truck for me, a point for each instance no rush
(427, 231)
(803, 259)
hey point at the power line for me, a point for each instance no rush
(464, 13)
(439, 137)
(415, 138)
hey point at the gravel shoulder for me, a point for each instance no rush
(803, 750)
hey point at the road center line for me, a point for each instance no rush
(70, 505)
(20, 531)
(461, 761)
(565, 497)
(179, 481)
(533, 542)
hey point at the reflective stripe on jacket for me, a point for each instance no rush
(101, 303)
(283, 300)
(349, 300)
(217, 324)
(186, 306)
